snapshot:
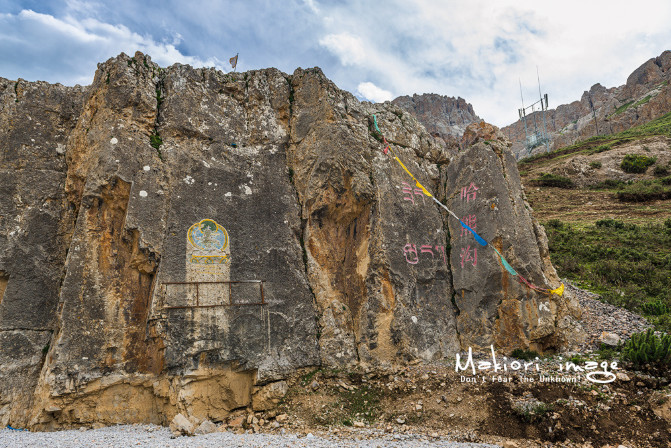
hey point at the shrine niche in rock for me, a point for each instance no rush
(207, 268)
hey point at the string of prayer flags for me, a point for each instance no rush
(388, 149)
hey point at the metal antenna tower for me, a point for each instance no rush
(539, 134)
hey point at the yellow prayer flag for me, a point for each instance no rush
(559, 291)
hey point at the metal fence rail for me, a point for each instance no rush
(230, 294)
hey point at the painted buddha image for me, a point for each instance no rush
(209, 240)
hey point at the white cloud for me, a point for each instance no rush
(348, 48)
(312, 4)
(371, 92)
(47, 22)
(481, 49)
(74, 46)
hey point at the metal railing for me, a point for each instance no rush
(230, 294)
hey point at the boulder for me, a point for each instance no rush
(622, 376)
(237, 422)
(483, 188)
(206, 427)
(610, 339)
(180, 425)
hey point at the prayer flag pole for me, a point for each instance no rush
(234, 61)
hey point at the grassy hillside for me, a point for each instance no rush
(606, 206)
(628, 264)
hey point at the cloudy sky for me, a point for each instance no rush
(478, 50)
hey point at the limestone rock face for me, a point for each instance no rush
(483, 188)
(36, 120)
(645, 96)
(179, 240)
(364, 227)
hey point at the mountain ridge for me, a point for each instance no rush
(646, 95)
(443, 116)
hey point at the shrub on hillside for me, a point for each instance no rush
(643, 191)
(660, 171)
(557, 224)
(649, 352)
(612, 223)
(595, 165)
(553, 180)
(662, 322)
(636, 163)
(655, 308)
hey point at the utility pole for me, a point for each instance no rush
(543, 109)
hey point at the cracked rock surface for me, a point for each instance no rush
(100, 186)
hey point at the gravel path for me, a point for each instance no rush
(599, 317)
(157, 436)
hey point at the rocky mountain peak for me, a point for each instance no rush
(650, 73)
(443, 116)
(645, 96)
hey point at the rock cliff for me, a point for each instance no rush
(443, 116)
(645, 96)
(180, 240)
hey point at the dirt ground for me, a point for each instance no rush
(588, 206)
(634, 410)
